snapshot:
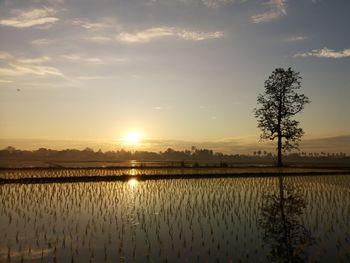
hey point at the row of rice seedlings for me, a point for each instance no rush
(59, 173)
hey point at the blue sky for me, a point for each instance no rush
(170, 69)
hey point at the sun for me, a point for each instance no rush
(133, 138)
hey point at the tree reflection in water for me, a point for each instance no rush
(280, 221)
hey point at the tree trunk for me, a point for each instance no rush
(279, 147)
(279, 133)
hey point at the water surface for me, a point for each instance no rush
(294, 219)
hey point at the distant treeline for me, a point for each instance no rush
(193, 155)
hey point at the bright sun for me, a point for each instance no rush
(133, 138)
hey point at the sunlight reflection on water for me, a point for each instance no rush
(198, 220)
(133, 183)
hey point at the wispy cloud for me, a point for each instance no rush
(198, 36)
(99, 39)
(42, 41)
(38, 60)
(207, 3)
(29, 18)
(16, 66)
(325, 53)
(72, 57)
(150, 34)
(5, 81)
(296, 38)
(96, 77)
(55, 1)
(275, 9)
(87, 25)
(101, 31)
(18, 70)
(94, 60)
(146, 35)
(215, 3)
(156, 108)
(104, 23)
(5, 55)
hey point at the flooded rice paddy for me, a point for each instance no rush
(33, 173)
(267, 219)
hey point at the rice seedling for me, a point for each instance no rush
(194, 220)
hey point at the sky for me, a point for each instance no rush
(177, 72)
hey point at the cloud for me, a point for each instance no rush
(39, 60)
(108, 26)
(206, 3)
(146, 35)
(156, 108)
(49, 1)
(104, 23)
(325, 53)
(34, 17)
(150, 34)
(101, 31)
(215, 3)
(198, 36)
(295, 38)
(18, 70)
(55, 1)
(99, 39)
(72, 57)
(275, 9)
(42, 41)
(94, 60)
(5, 81)
(27, 66)
(96, 77)
(5, 55)
(88, 25)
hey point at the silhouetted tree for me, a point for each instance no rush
(277, 106)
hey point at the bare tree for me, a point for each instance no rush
(279, 103)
